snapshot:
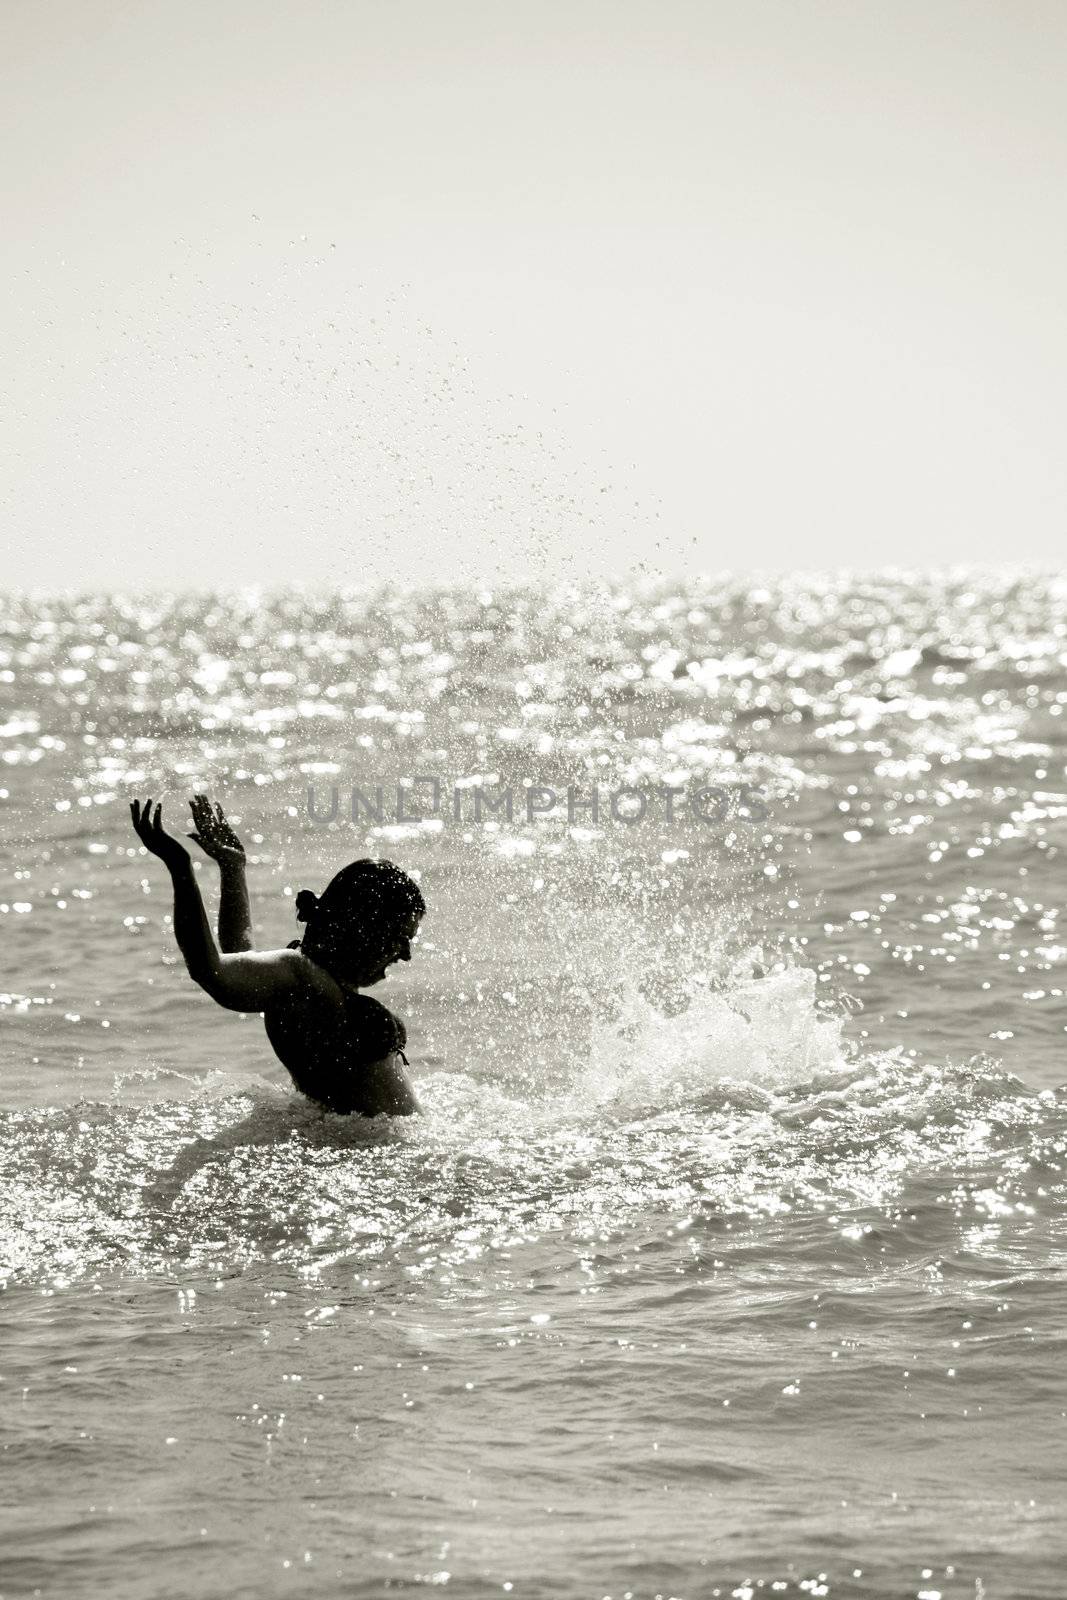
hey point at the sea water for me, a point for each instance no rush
(727, 1258)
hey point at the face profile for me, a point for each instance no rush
(365, 920)
(373, 954)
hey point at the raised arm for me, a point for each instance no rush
(218, 840)
(242, 981)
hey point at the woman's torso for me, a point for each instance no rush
(342, 1048)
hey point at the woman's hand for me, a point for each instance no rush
(213, 833)
(149, 830)
(217, 839)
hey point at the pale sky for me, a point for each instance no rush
(440, 289)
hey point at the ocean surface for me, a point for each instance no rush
(728, 1258)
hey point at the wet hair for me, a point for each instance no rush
(360, 903)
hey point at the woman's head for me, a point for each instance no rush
(364, 920)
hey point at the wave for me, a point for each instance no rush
(742, 1112)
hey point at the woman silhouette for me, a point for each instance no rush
(341, 1048)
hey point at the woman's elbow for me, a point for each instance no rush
(209, 979)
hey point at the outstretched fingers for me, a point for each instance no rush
(146, 821)
(147, 817)
(140, 811)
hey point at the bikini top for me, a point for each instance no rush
(378, 1031)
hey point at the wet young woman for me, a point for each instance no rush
(342, 1048)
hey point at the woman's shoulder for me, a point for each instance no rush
(313, 978)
